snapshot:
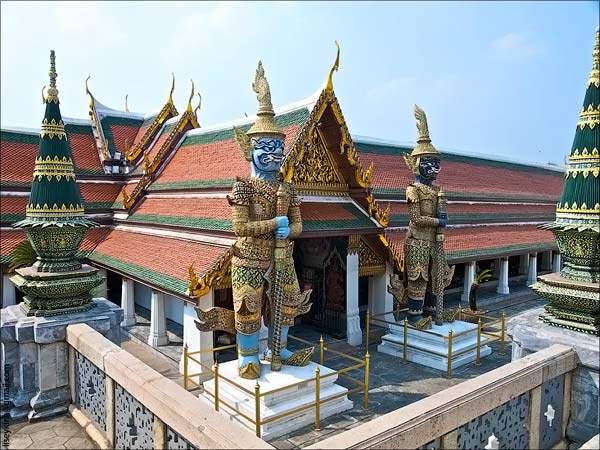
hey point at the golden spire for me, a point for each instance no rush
(595, 72)
(265, 125)
(189, 105)
(172, 89)
(126, 105)
(336, 65)
(52, 91)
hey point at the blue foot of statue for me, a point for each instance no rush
(289, 358)
(248, 362)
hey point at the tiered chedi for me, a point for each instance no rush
(574, 294)
(55, 223)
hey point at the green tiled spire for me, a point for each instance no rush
(579, 206)
(55, 196)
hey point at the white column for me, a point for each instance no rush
(523, 264)
(503, 279)
(195, 339)
(158, 321)
(469, 278)
(127, 302)
(9, 293)
(353, 332)
(380, 300)
(532, 274)
(557, 262)
(547, 260)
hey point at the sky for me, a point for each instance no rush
(499, 78)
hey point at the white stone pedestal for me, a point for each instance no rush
(278, 402)
(419, 342)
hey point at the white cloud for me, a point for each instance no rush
(516, 45)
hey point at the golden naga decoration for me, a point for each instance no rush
(197, 108)
(126, 105)
(363, 178)
(147, 165)
(336, 66)
(198, 287)
(43, 97)
(189, 105)
(165, 113)
(381, 216)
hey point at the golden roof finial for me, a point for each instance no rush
(43, 97)
(199, 104)
(189, 105)
(126, 105)
(336, 66)
(265, 125)
(595, 72)
(87, 91)
(52, 91)
(172, 89)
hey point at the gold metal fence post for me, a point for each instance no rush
(321, 350)
(367, 366)
(216, 370)
(450, 353)
(367, 320)
(405, 343)
(502, 334)
(185, 366)
(477, 359)
(257, 408)
(317, 399)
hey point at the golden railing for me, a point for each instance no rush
(487, 333)
(257, 394)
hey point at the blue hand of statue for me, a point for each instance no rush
(282, 232)
(282, 221)
(443, 218)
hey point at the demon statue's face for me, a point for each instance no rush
(267, 155)
(429, 167)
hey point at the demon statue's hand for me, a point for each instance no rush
(443, 218)
(282, 232)
(283, 227)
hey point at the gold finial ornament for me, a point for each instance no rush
(424, 146)
(172, 89)
(336, 66)
(199, 104)
(43, 96)
(265, 125)
(87, 91)
(595, 72)
(52, 91)
(126, 105)
(189, 105)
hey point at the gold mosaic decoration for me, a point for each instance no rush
(53, 168)
(52, 128)
(54, 211)
(369, 263)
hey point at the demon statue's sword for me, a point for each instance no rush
(283, 201)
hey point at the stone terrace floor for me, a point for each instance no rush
(57, 432)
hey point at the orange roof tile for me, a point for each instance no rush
(123, 136)
(9, 239)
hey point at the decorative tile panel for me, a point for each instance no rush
(508, 423)
(133, 422)
(90, 392)
(551, 411)
(176, 441)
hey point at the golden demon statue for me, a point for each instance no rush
(426, 270)
(265, 217)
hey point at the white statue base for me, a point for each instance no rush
(464, 346)
(278, 402)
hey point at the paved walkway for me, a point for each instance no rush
(57, 432)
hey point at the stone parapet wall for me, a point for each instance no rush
(524, 404)
(130, 405)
